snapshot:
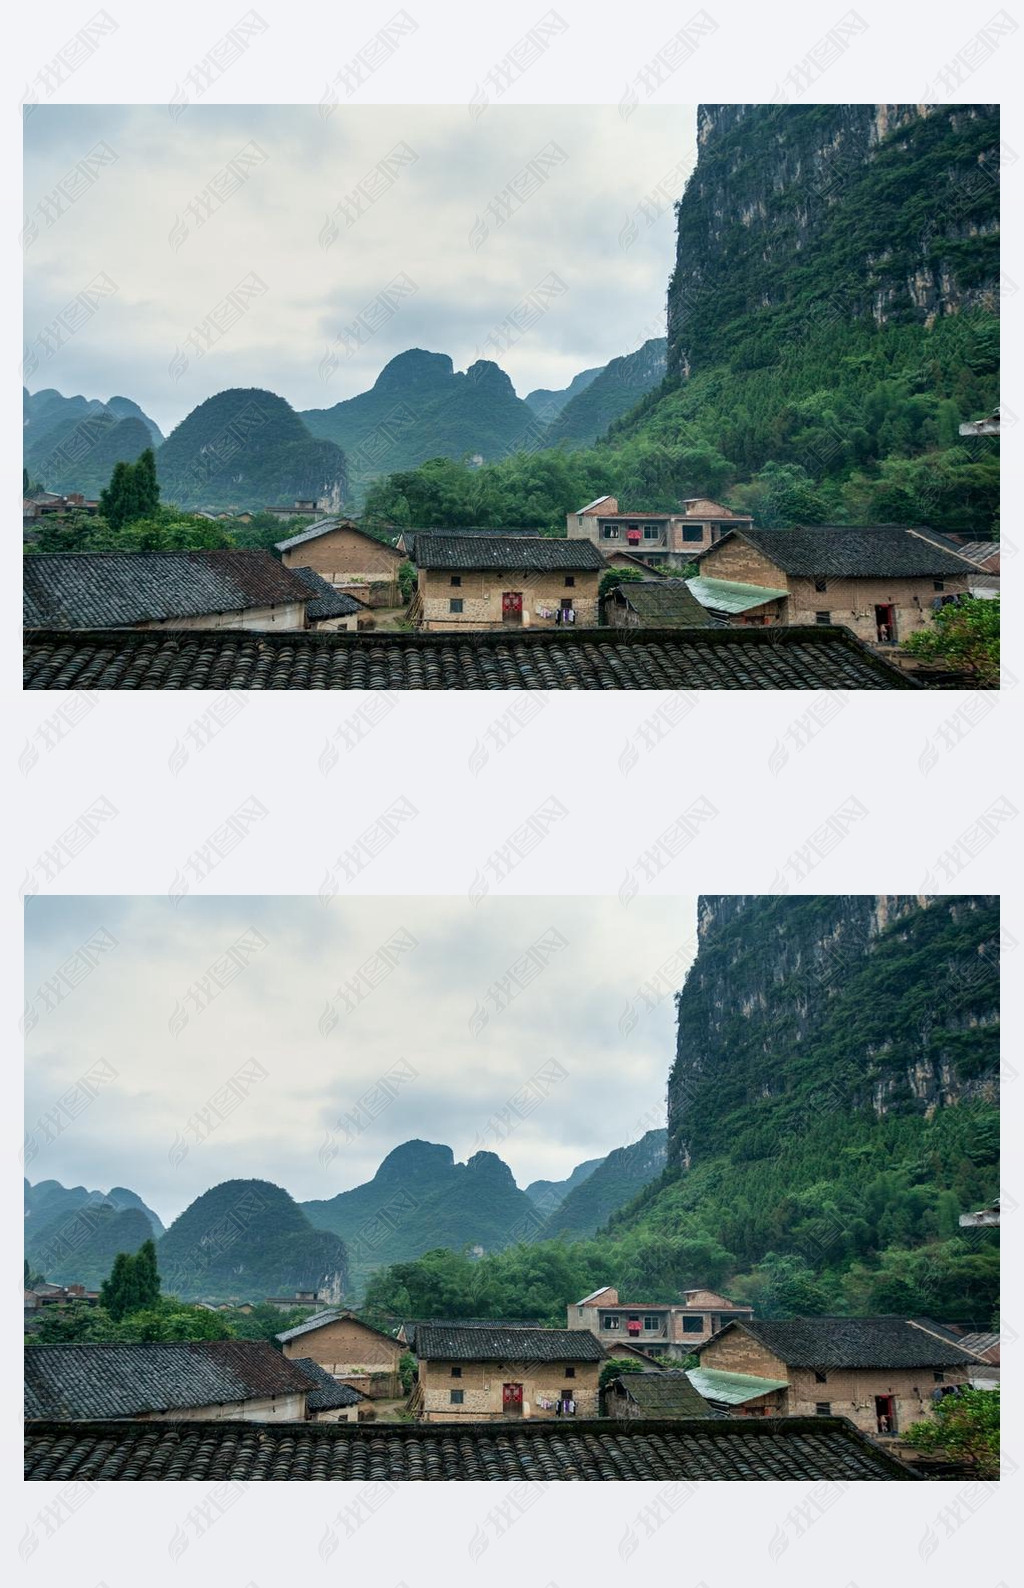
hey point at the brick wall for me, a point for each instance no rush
(481, 1386)
(344, 556)
(346, 1347)
(481, 593)
(852, 602)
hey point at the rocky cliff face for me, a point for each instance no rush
(798, 1005)
(885, 211)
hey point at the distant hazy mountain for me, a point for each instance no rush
(72, 443)
(245, 1240)
(617, 389)
(78, 1246)
(420, 1198)
(547, 405)
(248, 448)
(620, 1177)
(48, 1199)
(547, 1195)
(420, 408)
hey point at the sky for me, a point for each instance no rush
(173, 1046)
(233, 245)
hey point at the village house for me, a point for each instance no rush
(301, 1298)
(681, 1450)
(346, 555)
(514, 659)
(883, 1373)
(501, 581)
(330, 609)
(197, 1380)
(304, 507)
(350, 1350)
(655, 604)
(669, 539)
(479, 1374)
(329, 1401)
(883, 582)
(47, 504)
(672, 1329)
(42, 1298)
(162, 590)
(665, 1394)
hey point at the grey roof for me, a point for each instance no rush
(849, 1342)
(410, 1325)
(500, 552)
(328, 1394)
(89, 1381)
(875, 551)
(662, 603)
(108, 589)
(478, 1344)
(327, 601)
(668, 1394)
(331, 1315)
(325, 526)
(410, 536)
(808, 657)
(559, 1450)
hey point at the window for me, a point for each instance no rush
(579, 1312)
(821, 1378)
(823, 1408)
(652, 531)
(823, 617)
(938, 584)
(694, 1325)
(651, 1321)
(821, 584)
(940, 1378)
(456, 578)
(456, 1397)
(609, 1321)
(570, 1372)
(456, 1372)
(610, 531)
(693, 531)
(455, 604)
(570, 581)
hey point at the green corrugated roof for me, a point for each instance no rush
(733, 1388)
(723, 595)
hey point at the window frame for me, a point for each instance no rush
(456, 1397)
(823, 620)
(455, 604)
(823, 1408)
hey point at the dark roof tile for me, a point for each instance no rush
(664, 603)
(500, 552)
(875, 551)
(327, 601)
(668, 1394)
(328, 1394)
(104, 590)
(88, 1381)
(478, 1343)
(851, 1342)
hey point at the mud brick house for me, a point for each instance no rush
(667, 1394)
(350, 1350)
(505, 582)
(668, 539)
(884, 1373)
(162, 590)
(655, 604)
(683, 1450)
(200, 1381)
(883, 582)
(660, 1329)
(711, 658)
(478, 1374)
(329, 1401)
(344, 554)
(329, 608)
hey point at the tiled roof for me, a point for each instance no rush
(327, 602)
(528, 553)
(410, 1325)
(106, 589)
(664, 1394)
(849, 1342)
(328, 1394)
(663, 603)
(89, 1381)
(323, 526)
(710, 658)
(479, 1344)
(410, 536)
(728, 595)
(876, 551)
(331, 1315)
(684, 1450)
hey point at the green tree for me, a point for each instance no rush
(617, 576)
(965, 636)
(964, 1427)
(615, 1367)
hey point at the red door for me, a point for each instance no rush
(512, 606)
(512, 1400)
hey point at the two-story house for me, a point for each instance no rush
(665, 539)
(668, 1329)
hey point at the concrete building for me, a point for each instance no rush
(505, 581)
(350, 1350)
(478, 1374)
(883, 582)
(660, 1329)
(883, 1373)
(671, 539)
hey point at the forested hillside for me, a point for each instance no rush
(617, 1180)
(73, 443)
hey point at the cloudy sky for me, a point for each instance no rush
(313, 218)
(172, 1047)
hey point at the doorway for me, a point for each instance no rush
(885, 624)
(512, 1400)
(885, 1413)
(512, 606)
